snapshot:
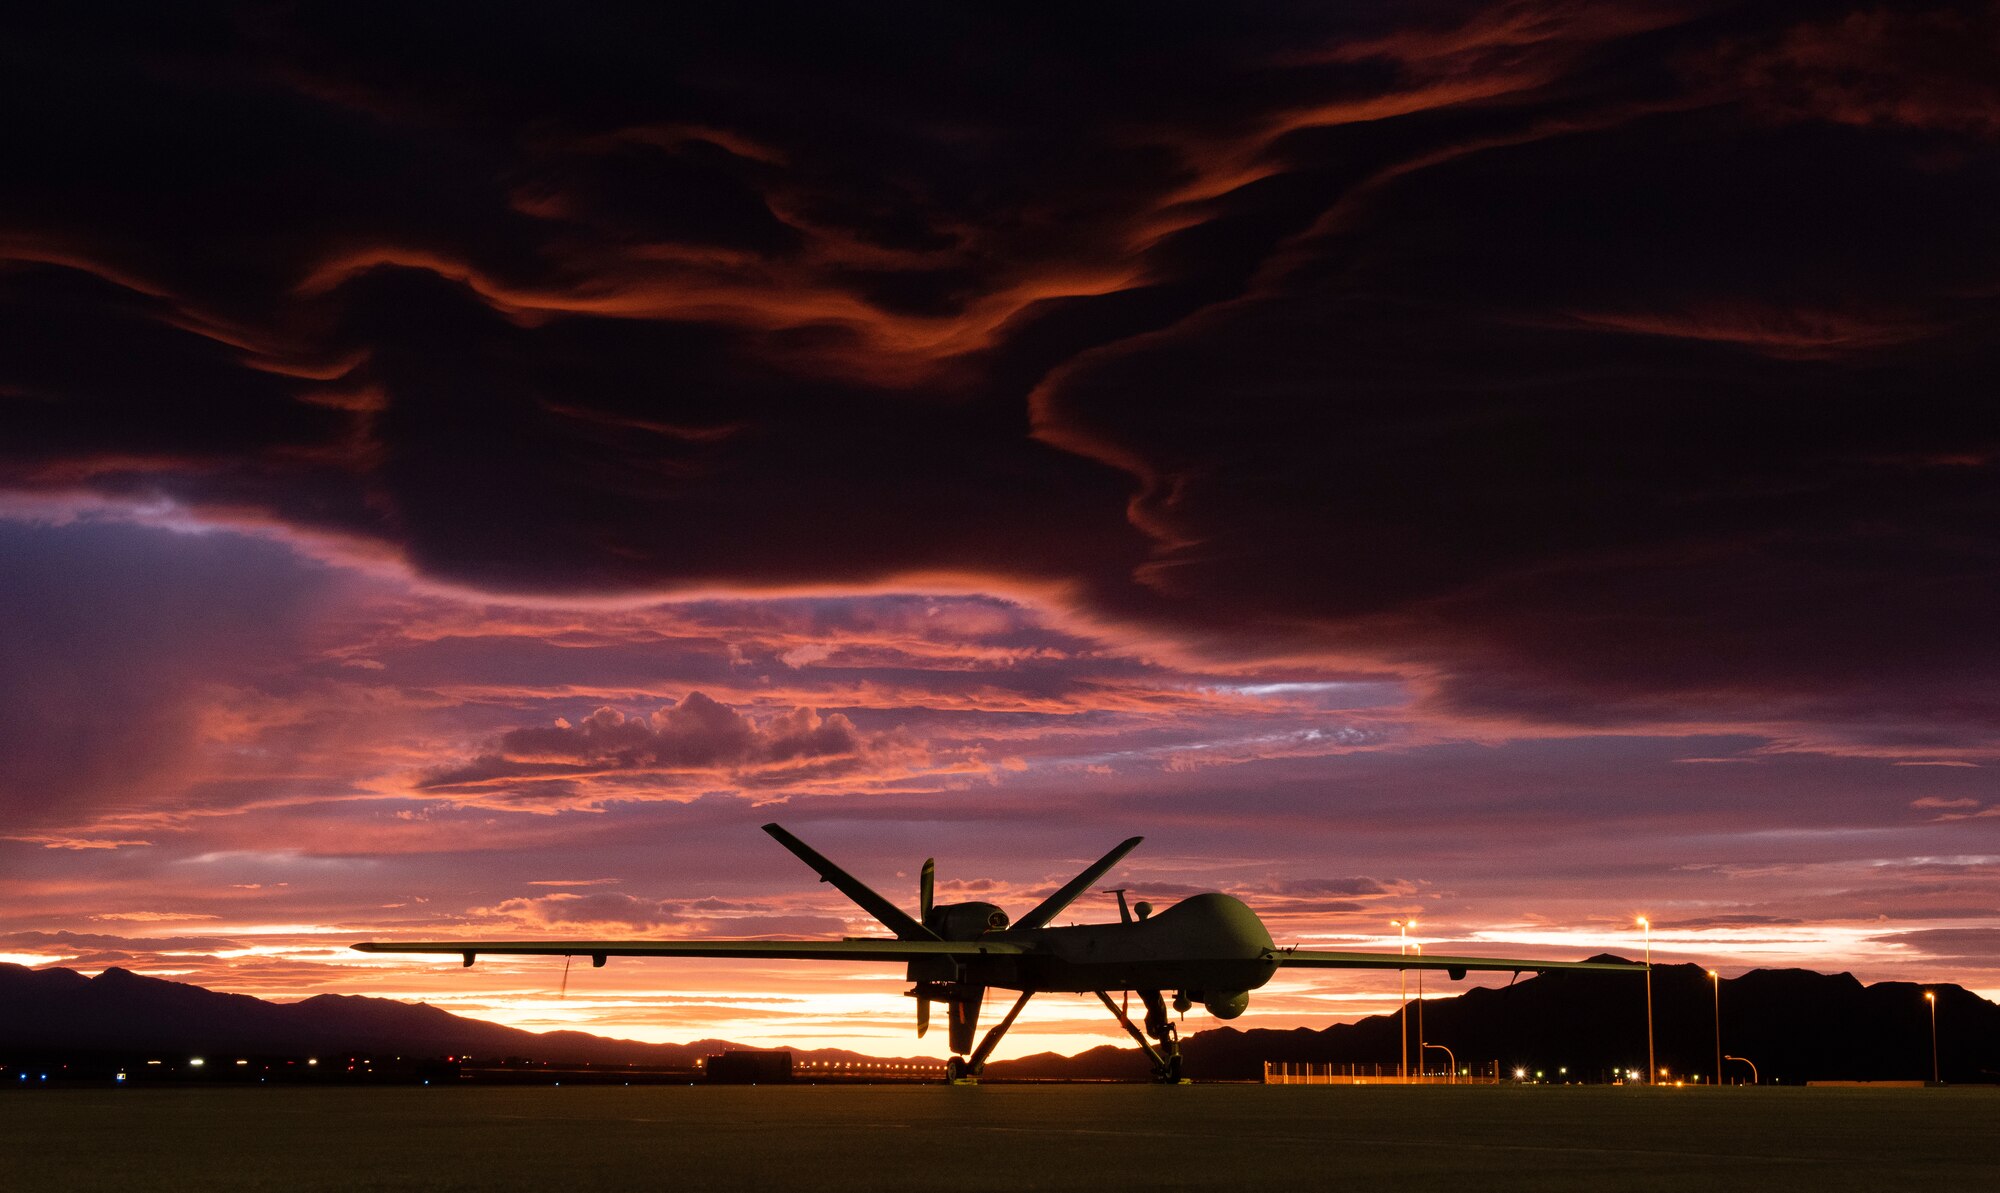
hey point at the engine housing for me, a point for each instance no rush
(965, 921)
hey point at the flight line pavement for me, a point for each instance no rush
(1001, 1137)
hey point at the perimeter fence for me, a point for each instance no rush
(1299, 1073)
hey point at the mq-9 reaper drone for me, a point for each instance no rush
(1208, 949)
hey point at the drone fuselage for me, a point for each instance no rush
(1208, 946)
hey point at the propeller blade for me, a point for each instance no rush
(923, 1017)
(891, 916)
(926, 887)
(1052, 906)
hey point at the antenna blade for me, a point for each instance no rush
(1052, 906)
(926, 887)
(891, 916)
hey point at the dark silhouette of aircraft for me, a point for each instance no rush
(1208, 949)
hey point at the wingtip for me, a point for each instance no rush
(366, 946)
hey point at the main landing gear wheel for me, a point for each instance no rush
(957, 1072)
(1166, 1056)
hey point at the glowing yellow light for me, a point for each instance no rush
(196, 1062)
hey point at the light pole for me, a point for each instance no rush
(1451, 1074)
(1715, 979)
(1652, 1073)
(1930, 996)
(1419, 947)
(1746, 1060)
(1403, 996)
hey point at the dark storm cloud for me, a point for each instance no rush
(1601, 361)
(1606, 408)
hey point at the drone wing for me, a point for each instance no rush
(1458, 966)
(781, 950)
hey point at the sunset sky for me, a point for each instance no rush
(1519, 464)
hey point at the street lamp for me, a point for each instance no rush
(1450, 1074)
(1715, 980)
(1403, 996)
(1930, 996)
(1746, 1060)
(1652, 1069)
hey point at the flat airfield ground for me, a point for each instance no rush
(1001, 1137)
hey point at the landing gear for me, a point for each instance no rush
(1164, 1049)
(965, 1070)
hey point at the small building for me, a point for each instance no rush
(749, 1066)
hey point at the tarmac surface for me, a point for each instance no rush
(1001, 1137)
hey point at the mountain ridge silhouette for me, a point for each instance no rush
(1796, 1025)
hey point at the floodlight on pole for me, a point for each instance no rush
(1403, 997)
(1930, 996)
(1419, 947)
(1715, 979)
(1652, 1070)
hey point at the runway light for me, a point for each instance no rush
(196, 1062)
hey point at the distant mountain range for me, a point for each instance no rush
(60, 1010)
(1796, 1025)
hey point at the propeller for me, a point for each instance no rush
(926, 889)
